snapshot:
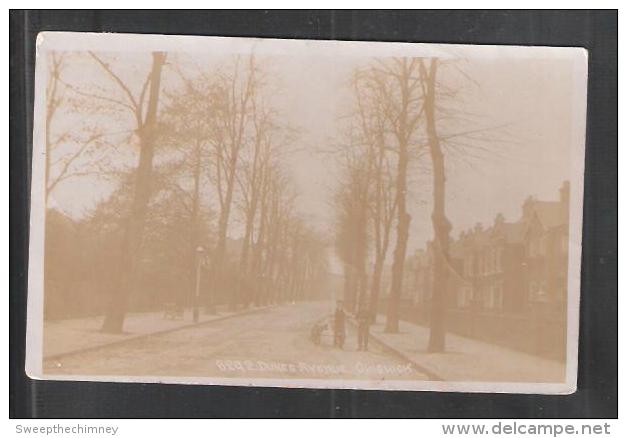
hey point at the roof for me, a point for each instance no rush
(456, 249)
(479, 236)
(551, 214)
(513, 232)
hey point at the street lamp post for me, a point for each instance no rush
(199, 252)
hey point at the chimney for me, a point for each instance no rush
(565, 193)
(499, 219)
(527, 207)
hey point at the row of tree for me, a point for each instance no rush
(394, 123)
(208, 150)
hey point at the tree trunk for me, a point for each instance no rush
(244, 266)
(130, 253)
(258, 249)
(402, 230)
(362, 281)
(223, 225)
(441, 225)
(398, 266)
(375, 289)
(195, 221)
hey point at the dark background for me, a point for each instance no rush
(596, 397)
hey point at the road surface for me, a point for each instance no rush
(269, 343)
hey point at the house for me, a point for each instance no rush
(423, 274)
(499, 282)
(507, 283)
(473, 243)
(422, 268)
(546, 249)
(508, 267)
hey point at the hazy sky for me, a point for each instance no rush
(525, 103)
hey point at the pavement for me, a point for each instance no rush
(62, 337)
(262, 342)
(467, 359)
(273, 342)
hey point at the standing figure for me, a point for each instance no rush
(339, 326)
(363, 328)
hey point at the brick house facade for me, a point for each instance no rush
(511, 274)
(546, 251)
(507, 267)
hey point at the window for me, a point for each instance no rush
(542, 292)
(465, 296)
(491, 260)
(538, 291)
(498, 299)
(499, 261)
(468, 266)
(533, 290)
(564, 244)
(495, 296)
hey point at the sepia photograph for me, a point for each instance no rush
(298, 213)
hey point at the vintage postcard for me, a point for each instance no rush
(319, 214)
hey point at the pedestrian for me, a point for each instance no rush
(363, 328)
(339, 326)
